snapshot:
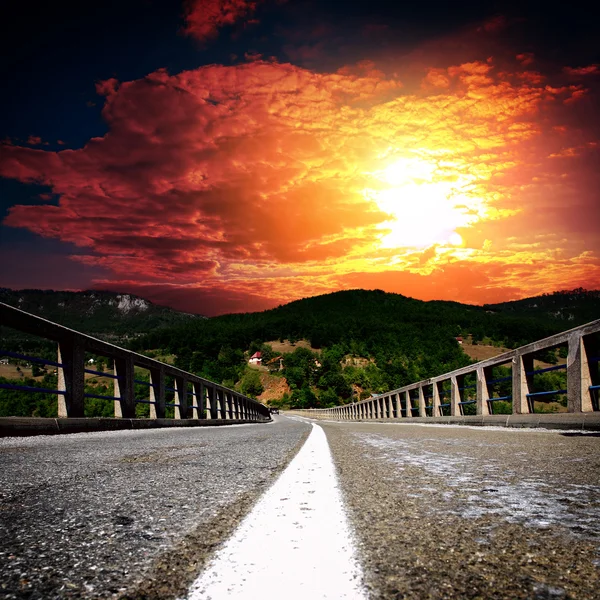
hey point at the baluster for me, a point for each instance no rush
(71, 378)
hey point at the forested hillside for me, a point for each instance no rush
(401, 339)
(367, 341)
(572, 307)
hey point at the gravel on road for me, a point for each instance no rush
(460, 512)
(129, 514)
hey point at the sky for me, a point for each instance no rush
(224, 156)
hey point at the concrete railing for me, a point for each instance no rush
(193, 396)
(424, 398)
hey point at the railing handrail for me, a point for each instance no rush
(92, 344)
(581, 381)
(501, 359)
(21, 320)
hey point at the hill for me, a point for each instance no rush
(571, 308)
(108, 315)
(403, 339)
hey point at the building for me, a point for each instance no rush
(256, 359)
(276, 363)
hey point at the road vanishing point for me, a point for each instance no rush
(302, 509)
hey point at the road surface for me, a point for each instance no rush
(431, 511)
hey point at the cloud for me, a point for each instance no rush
(204, 18)
(264, 182)
(579, 71)
(526, 58)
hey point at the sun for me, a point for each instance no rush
(426, 204)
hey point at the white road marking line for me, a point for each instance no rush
(295, 544)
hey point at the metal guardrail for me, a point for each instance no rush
(424, 398)
(202, 398)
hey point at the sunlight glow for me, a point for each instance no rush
(426, 204)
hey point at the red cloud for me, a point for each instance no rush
(589, 70)
(204, 18)
(262, 182)
(526, 58)
(203, 168)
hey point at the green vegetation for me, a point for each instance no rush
(571, 307)
(403, 340)
(14, 403)
(250, 384)
(369, 341)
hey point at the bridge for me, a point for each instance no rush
(470, 393)
(195, 399)
(368, 502)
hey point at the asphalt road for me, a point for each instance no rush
(131, 514)
(437, 512)
(460, 512)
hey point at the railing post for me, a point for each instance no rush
(157, 393)
(71, 378)
(124, 388)
(212, 401)
(422, 407)
(436, 410)
(408, 403)
(521, 365)
(229, 401)
(579, 377)
(222, 402)
(455, 396)
(199, 404)
(181, 398)
(397, 405)
(483, 392)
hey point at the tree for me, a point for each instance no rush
(37, 370)
(251, 384)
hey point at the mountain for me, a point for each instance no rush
(402, 339)
(569, 307)
(107, 315)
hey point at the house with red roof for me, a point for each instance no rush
(256, 359)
